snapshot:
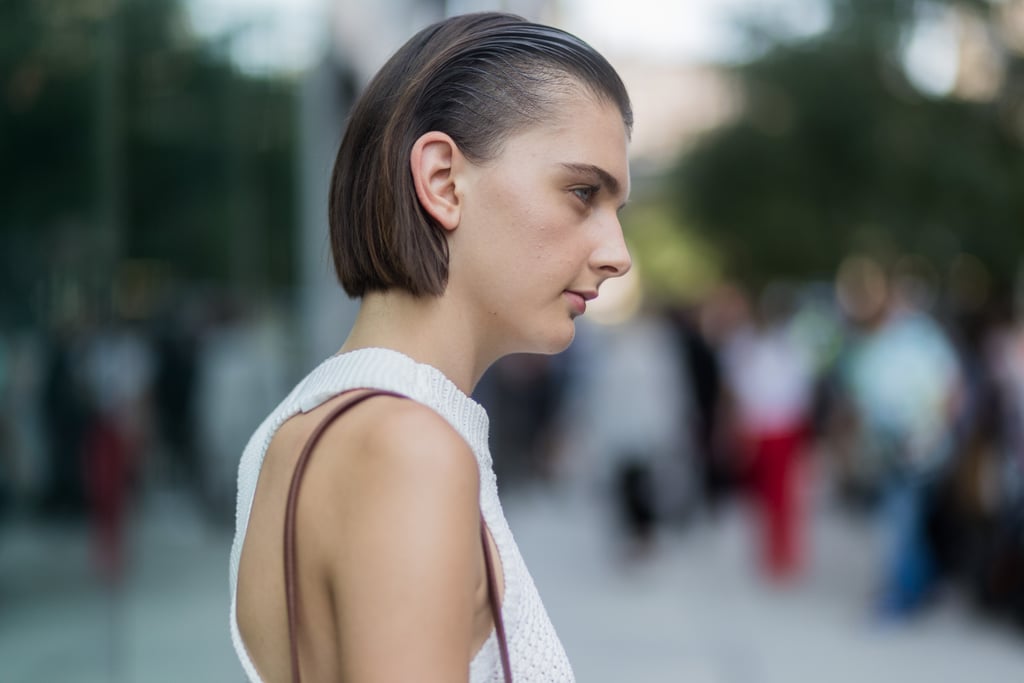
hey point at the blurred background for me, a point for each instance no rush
(788, 447)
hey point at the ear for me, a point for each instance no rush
(433, 160)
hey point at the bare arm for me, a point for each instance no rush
(404, 561)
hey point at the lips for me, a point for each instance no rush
(578, 300)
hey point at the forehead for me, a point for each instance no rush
(581, 131)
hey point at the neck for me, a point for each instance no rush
(429, 330)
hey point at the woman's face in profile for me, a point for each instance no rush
(539, 230)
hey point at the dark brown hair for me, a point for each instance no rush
(476, 77)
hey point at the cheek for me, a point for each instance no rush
(531, 238)
(549, 228)
(548, 250)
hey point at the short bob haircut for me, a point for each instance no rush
(479, 78)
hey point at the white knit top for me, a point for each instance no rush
(536, 653)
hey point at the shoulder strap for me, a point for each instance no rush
(290, 580)
(492, 595)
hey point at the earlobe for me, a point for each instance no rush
(432, 162)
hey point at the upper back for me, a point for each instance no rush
(533, 644)
(388, 470)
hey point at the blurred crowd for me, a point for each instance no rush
(98, 416)
(881, 394)
(902, 401)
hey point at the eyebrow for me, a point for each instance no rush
(606, 178)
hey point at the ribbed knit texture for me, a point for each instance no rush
(536, 653)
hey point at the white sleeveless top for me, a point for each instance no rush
(536, 653)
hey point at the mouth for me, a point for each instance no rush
(578, 300)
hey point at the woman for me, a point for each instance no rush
(473, 208)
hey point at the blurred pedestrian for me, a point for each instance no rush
(118, 373)
(902, 377)
(523, 393)
(997, 579)
(174, 390)
(64, 412)
(770, 378)
(701, 372)
(642, 423)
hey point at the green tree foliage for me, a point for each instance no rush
(124, 139)
(835, 151)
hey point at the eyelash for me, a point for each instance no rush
(590, 189)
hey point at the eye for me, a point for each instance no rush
(585, 193)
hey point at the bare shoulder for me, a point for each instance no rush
(392, 458)
(403, 555)
(399, 437)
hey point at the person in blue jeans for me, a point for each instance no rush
(903, 380)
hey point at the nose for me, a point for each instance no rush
(611, 256)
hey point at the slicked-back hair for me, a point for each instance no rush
(479, 78)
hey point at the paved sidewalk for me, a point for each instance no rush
(167, 623)
(692, 612)
(695, 611)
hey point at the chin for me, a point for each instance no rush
(557, 340)
(546, 339)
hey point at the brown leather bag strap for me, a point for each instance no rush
(492, 596)
(291, 585)
(290, 576)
